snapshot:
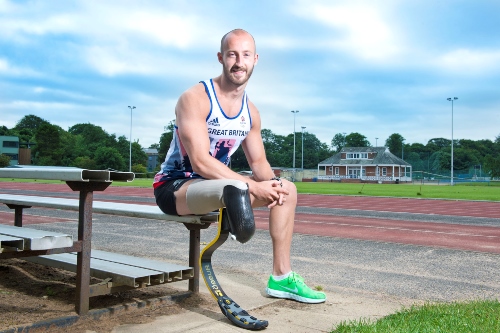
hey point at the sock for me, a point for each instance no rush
(281, 277)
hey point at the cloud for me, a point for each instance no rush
(359, 29)
(470, 62)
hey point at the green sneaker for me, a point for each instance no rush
(293, 287)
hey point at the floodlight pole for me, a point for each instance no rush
(452, 99)
(130, 144)
(294, 112)
(303, 127)
(376, 142)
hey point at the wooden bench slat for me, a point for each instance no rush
(38, 239)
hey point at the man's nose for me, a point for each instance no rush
(238, 60)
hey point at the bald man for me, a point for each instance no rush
(213, 118)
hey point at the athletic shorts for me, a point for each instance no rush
(165, 197)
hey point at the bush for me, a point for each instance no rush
(4, 161)
(139, 168)
(85, 162)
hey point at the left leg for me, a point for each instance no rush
(284, 283)
(281, 222)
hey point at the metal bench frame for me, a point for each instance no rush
(86, 182)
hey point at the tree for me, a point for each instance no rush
(338, 142)
(415, 161)
(93, 137)
(492, 166)
(314, 151)
(4, 131)
(4, 160)
(165, 140)
(395, 144)
(28, 126)
(84, 162)
(279, 149)
(109, 158)
(356, 140)
(49, 150)
(438, 143)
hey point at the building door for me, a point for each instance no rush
(353, 172)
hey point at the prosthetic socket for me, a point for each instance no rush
(207, 195)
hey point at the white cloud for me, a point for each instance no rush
(470, 62)
(8, 70)
(360, 29)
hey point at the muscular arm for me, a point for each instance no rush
(254, 149)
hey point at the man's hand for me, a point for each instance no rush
(269, 192)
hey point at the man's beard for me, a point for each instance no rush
(238, 82)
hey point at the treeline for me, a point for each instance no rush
(90, 147)
(85, 146)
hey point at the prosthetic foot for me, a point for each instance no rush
(235, 313)
(239, 212)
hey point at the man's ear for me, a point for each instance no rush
(256, 59)
(219, 56)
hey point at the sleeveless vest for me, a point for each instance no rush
(225, 135)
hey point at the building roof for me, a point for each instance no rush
(383, 157)
(150, 151)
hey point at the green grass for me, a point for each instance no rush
(458, 317)
(460, 191)
(465, 191)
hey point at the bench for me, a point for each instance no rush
(119, 272)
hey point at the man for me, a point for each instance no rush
(195, 178)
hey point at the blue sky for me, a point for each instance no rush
(372, 67)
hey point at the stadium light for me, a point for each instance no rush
(303, 127)
(294, 112)
(452, 99)
(130, 145)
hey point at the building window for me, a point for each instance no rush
(330, 168)
(337, 171)
(351, 156)
(384, 171)
(10, 144)
(13, 157)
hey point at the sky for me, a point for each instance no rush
(371, 67)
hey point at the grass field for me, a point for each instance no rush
(475, 316)
(460, 191)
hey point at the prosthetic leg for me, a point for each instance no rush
(237, 218)
(229, 308)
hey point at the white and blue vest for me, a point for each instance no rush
(225, 134)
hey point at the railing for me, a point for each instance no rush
(370, 178)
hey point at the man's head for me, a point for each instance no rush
(238, 56)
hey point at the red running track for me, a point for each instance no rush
(454, 236)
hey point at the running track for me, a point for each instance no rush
(471, 236)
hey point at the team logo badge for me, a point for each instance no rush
(214, 122)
